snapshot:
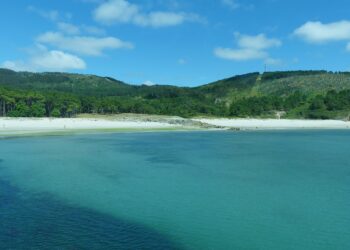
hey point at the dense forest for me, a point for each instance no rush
(293, 94)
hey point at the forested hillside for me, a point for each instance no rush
(293, 94)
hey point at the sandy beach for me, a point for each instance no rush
(276, 124)
(16, 126)
(23, 126)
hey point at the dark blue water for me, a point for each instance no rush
(191, 190)
(40, 222)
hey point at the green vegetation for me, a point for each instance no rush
(294, 94)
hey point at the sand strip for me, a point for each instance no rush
(276, 124)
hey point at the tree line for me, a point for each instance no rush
(27, 103)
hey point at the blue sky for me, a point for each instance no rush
(180, 42)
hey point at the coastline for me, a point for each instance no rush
(10, 127)
(13, 127)
(274, 124)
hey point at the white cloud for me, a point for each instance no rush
(232, 4)
(116, 11)
(68, 28)
(258, 42)
(239, 54)
(86, 45)
(71, 29)
(49, 60)
(58, 60)
(121, 11)
(249, 48)
(93, 30)
(160, 19)
(52, 15)
(317, 32)
(149, 83)
(16, 66)
(236, 4)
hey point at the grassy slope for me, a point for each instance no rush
(319, 83)
(223, 91)
(272, 83)
(64, 82)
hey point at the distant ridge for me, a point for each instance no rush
(267, 92)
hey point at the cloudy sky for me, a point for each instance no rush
(182, 42)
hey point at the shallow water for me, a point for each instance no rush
(178, 190)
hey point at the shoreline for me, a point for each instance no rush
(15, 127)
(12, 127)
(274, 124)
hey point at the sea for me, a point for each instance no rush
(225, 190)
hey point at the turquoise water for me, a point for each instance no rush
(178, 190)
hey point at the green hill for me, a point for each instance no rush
(64, 82)
(303, 94)
(312, 82)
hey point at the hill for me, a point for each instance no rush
(64, 82)
(302, 94)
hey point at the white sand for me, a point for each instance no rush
(45, 125)
(19, 126)
(277, 124)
